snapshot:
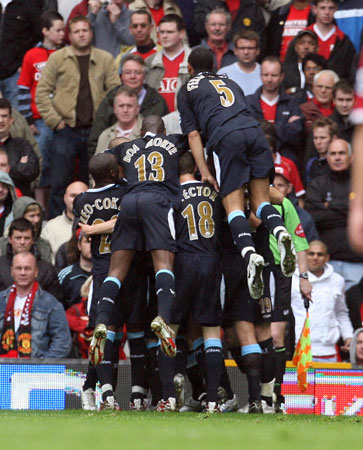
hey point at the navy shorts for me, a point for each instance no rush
(197, 286)
(238, 304)
(281, 299)
(145, 222)
(240, 156)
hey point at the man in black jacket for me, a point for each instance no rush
(19, 33)
(248, 15)
(21, 239)
(133, 72)
(24, 163)
(270, 102)
(327, 200)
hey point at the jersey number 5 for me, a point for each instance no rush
(156, 162)
(205, 222)
(226, 96)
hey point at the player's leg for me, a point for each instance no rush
(240, 229)
(167, 372)
(119, 266)
(104, 372)
(263, 334)
(213, 364)
(252, 360)
(261, 206)
(278, 330)
(139, 385)
(163, 262)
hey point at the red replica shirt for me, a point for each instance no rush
(356, 116)
(327, 42)
(169, 81)
(157, 14)
(296, 21)
(33, 63)
(269, 109)
(233, 6)
(326, 112)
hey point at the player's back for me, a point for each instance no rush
(197, 219)
(97, 206)
(218, 104)
(151, 163)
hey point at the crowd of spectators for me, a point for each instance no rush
(69, 88)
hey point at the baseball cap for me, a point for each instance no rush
(283, 171)
(309, 32)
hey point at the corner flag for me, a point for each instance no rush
(302, 358)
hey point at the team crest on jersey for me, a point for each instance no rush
(299, 231)
(39, 66)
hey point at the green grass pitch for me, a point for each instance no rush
(125, 430)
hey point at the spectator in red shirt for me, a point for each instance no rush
(52, 27)
(334, 45)
(322, 103)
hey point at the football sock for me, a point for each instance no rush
(267, 370)
(280, 363)
(91, 378)
(104, 369)
(241, 234)
(213, 364)
(137, 359)
(225, 383)
(166, 370)
(181, 357)
(152, 371)
(237, 356)
(115, 357)
(165, 291)
(108, 294)
(252, 359)
(195, 377)
(271, 218)
(198, 348)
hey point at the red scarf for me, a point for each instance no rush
(20, 347)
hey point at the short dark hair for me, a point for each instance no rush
(186, 164)
(142, 12)
(201, 60)
(322, 122)
(21, 224)
(272, 59)
(318, 60)
(316, 2)
(5, 104)
(248, 35)
(343, 85)
(173, 18)
(48, 18)
(270, 133)
(100, 166)
(79, 19)
(154, 124)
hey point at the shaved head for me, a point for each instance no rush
(154, 124)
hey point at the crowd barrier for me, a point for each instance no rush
(334, 389)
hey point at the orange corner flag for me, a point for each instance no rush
(302, 358)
